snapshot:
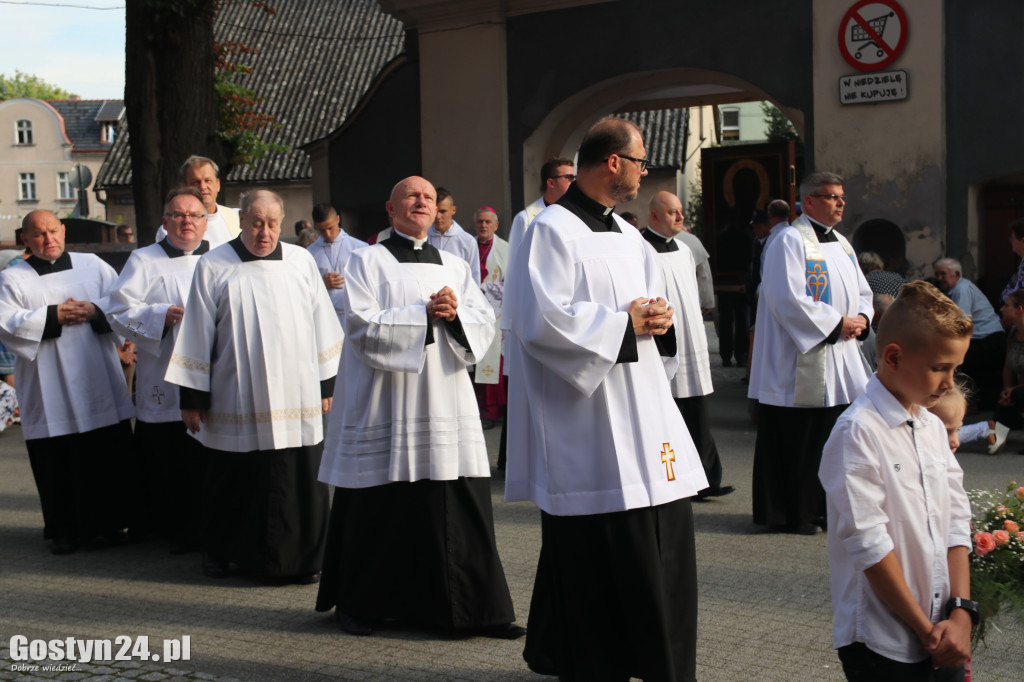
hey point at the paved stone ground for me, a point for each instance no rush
(765, 612)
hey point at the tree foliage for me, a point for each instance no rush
(28, 85)
(240, 118)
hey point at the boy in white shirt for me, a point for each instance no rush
(898, 516)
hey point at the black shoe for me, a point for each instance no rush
(63, 546)
(352, 626)
(505, 631)
(806, 529)
(726, 362)
(215, 568)
(721, 491)
(303, 579)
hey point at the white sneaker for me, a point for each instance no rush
(1001, 431)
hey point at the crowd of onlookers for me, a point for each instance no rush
(993, 371)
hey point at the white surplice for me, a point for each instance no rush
(406, 411)
(259, 336)
(459, 242)
(693, 377)
(588, 435)
(790, 323)
(701, 257)
(488, 369)
(150, 283)
(332, 257)
(72, 383)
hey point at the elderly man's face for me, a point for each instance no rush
(946, 277)
(261, 226)
(412, 207)
(185, 222)
(330, 228)
(445, 214)
(205, 179)
(44, 236)
(822, 208)
(667, 215)
(485, 225)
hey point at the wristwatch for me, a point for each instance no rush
(967, 605)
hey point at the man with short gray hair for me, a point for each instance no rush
(806, 368)
(221, 222)
(255, 359)
(984, 360)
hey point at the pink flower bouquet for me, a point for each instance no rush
(997, 562)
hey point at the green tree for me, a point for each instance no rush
(28, 85)
(778, 128)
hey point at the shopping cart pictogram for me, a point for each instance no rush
(858, 34)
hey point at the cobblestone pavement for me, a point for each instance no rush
(765, 610)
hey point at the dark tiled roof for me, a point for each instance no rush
(664, 132)
(110, 111)
(81, 120)
(312, 62)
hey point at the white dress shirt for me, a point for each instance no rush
(892, 486)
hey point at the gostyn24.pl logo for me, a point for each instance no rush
(120, 648)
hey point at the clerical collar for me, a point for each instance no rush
(416, 243)
(45, 267)
(173, 251)
(824, 234)
(406, 251)
(246, 255)
(660, 242)
(595, 215)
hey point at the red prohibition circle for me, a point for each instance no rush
(853, 17)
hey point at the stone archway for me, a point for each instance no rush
(560, 131)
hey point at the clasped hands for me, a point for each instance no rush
(650, 316)
(442, 305)
(75, 312)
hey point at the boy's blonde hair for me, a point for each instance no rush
(920, 312)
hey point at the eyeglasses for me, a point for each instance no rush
(568, 176)
(641, 162)
(833, 197)
(194, 217)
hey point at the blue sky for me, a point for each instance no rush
(80, 50)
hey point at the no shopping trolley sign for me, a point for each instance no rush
(872, 34)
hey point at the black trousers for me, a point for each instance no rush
(733, 333)
(695, 414)
(984, 365)
(861, 664)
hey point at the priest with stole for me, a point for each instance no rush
(595, 439)
(75, 405)
(255, 359)
(146, 307)
(411, 534)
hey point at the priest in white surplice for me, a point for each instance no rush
(491, 394)
(411, 535)
(595, 439)
(555, 177)
(331, 252)
(146, 305)
(807, 368)
(447, 235)
(75, 406)
(692, 381)
(255, 359)
(222, 223)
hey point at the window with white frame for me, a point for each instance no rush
(730, 124)
(107, 131)
(27, 186)
(23, 130)
(64, 188)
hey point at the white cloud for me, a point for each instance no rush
(80, 50)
